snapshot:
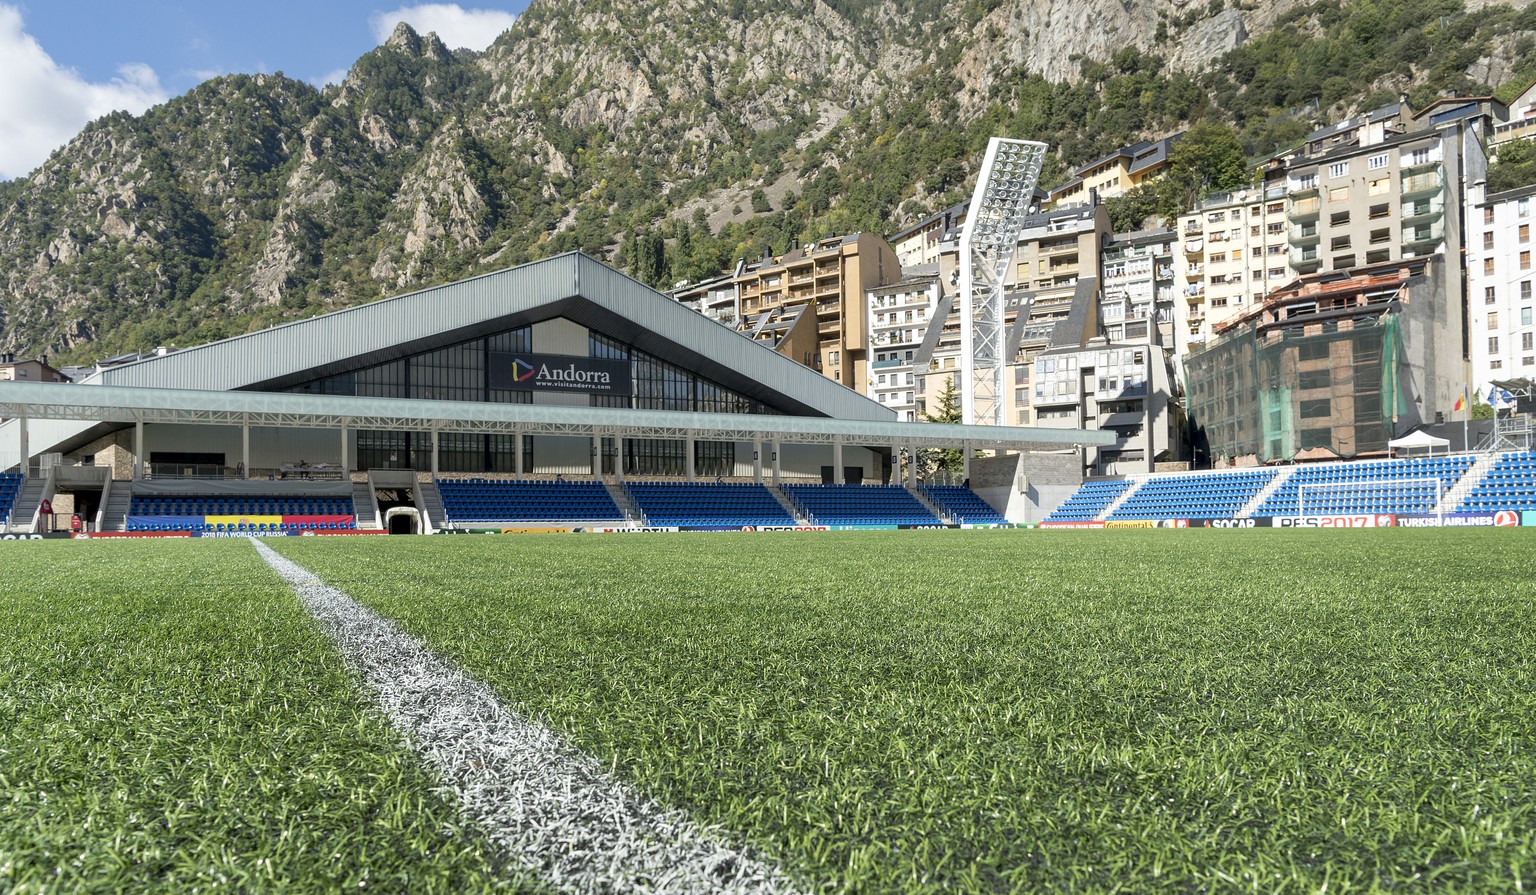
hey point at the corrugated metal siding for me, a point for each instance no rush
(333, 338)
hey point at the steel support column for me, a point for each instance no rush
(837, 461)
(688, 465)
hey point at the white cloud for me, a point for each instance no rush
(43, 105)
(456, 26)
(334, 77)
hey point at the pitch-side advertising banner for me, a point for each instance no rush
(1364, 520)
(1501, 519)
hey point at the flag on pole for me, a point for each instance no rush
(1461, 402)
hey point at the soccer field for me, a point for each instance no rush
(927, 711)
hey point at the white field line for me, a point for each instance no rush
(551, 809)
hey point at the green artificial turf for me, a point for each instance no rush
(1026, 711)
(172, 721)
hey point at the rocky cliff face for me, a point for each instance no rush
(254, 199)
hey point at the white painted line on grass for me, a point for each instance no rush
(551, 808)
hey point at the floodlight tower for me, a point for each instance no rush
(992, 226)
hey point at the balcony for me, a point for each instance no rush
(887, 364)
(1193, 227)
(1194, 271)
(1303, 235)
(1418, 240)
(1424, 211)
(1306, 261)
(1304, 209)
(1423, 184)
(1194, 246)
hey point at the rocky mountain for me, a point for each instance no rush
(669, 137)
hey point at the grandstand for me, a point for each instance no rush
(10, 486)
(240, 513)
(708, 504)
(1090, 500)
(1509, 484)
(1370, 486)
(962, 505)
(1199, 495)
(1416, 486)
(859, 505)
(537, 500)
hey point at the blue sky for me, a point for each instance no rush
(64, 63)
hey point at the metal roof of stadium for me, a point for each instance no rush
(242, 380)
(127, 404)
(571, 286)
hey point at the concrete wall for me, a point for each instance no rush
(1048, 479)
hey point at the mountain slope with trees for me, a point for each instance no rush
(670, 139)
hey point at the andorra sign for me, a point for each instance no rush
(558, 373)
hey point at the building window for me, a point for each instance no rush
(1487, 267)
(1379, 186)
(1306, 181)
(1525, 290)
(1493, 319)
(1525, 316)
(1490, 295)
(1338, 169)
(1488, 241)
(1527, 341)
(1339, 218)
(1525, 260)
(1376, 162)
(1493, 344)
(1416, 157)
(1525, 233)
(1339, 194)
(1380, 236)
(1380, 211)
(1522, 208)
(1487, 214)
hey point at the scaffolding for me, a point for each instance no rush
(1336, 387)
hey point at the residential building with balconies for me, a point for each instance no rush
(1137, 293)
(1115, 174)
(1500, 281)
(899, 321)
(810, 304)
(1233, 250)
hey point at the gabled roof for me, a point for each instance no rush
(570, 286)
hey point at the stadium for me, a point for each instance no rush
(289, 707)
(562, 395)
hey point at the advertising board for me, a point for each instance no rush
(1501, 519)
(558, 373)
(1088, 524)
(1365, 520)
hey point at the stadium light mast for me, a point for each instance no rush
(999, 206)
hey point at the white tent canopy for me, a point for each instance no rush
(1418, 440)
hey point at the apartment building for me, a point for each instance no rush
(1138, 293)
(1502, 341)
(899, 320)
(1333, 363)
(1116, 173)
(1233, 252)
(13, 370)
(923, 242)
(810, 304)
(715, 298)
(1125, 389)
(1369, 203)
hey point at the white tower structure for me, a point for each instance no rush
(987, 242)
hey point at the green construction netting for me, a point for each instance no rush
(1332, 384)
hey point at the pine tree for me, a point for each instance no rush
(947, 411)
